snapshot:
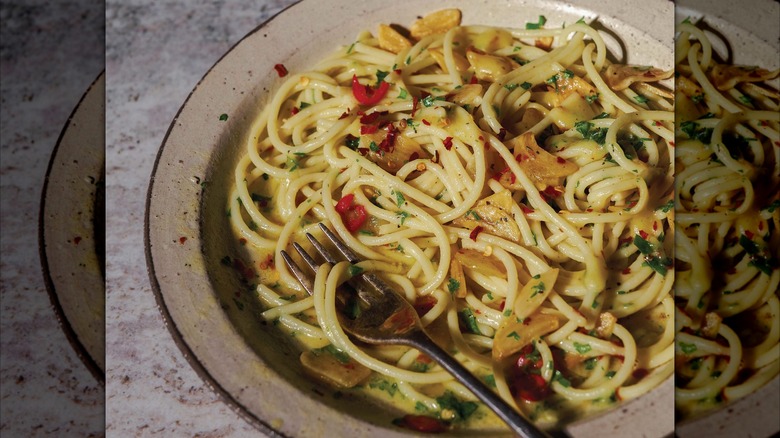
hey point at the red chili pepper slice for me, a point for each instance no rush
(281, 70)
(353, 215)
(531, 387)
(448, 143)
(366, 95)
(421, 423)
(475, 232)
(368, 129)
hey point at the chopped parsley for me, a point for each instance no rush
(399, 199)
(380, 76)
(462, 409)
(223, 117)
(538, 288)
(469, 320)
(666, 207)
(582, 348)
(695, 132)
(687, 348)
(538, 24)
(403, 94)
(640, 99)
(453, 285)
(430, 100)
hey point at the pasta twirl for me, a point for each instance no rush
(512, 183)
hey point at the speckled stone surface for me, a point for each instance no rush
(156, 52)
(50, 53)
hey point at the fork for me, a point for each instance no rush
(386, 317)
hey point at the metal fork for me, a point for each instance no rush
(385, 317)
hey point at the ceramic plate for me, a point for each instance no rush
(72, 229)
(747, 36)
(187, 232)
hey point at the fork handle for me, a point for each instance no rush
(519, 424)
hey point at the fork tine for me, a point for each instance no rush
(306, 257)
(341, 246)
(298, 273)
(322, 250)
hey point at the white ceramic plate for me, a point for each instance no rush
(187, 233)
(72, 229)
(746, 35)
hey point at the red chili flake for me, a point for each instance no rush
(749, 234)
(182, 239)
(671, 143)
(242, 241)
(498, 175)
(474, 80)
(617, 395)
(475, 232)
(589, 210)
(526, 209)
(76, 240)
(422, 358)
(344, 116)
(502, 305)
(414, 156)
(520, 157)
(643, 234)
(415, 102)
(294, 110)
(550, 192)
(281, 70)
(370, 118)
(424, 304)
(657, 123)
(368, 129)
(501, 134)
(267, 263)
(655, 226)
(397, 71)
(244, 270)
(388, 143)
(640, 373)
(777, 144)
(760, 225)
(448, 143)
(763, 123)
(627, 271)
(426, 123)
(560, 160)
(421, 423)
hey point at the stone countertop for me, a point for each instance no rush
(156, 52)
(50, 53)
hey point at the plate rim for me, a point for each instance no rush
(51, 288)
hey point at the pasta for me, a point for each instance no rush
(728, 213)
(513, 184)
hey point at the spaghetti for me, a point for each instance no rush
(512, 183)
(728, 217)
